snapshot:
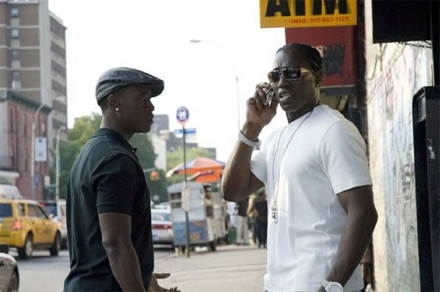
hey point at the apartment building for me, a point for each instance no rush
(33, 92)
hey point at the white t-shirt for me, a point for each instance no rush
(325, 156)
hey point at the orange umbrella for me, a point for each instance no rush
(199, 164)
(207, 177)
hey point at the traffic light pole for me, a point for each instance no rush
(185, 189)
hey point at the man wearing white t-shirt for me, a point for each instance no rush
(315, 170)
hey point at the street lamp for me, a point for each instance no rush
(195, 41)
(33, 149)
(57, 161)
(34, 122)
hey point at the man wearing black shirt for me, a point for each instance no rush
(108, 201)
(261, 209)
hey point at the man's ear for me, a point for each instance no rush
(318, 76)
(113, 101)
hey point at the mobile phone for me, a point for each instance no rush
(269, 96)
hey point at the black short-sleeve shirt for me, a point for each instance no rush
(106, 177)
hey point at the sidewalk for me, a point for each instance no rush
(229, 269)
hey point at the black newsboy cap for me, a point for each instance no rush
(116, 78)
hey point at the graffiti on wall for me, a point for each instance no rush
(392, 156)
(333, 58)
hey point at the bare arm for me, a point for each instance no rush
(251, 206)
(238, 182)
(116, 239)
(361, 220)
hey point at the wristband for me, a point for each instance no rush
(248, 142)
(332, 286)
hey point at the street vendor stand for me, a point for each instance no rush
(201, 218)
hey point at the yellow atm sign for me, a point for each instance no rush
(307, 13)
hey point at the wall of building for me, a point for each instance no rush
(27, 44)
(16, 143)
(58, 119)
(395, 72)
(3, 45)
(19, 144)
(4, 163)
(33, 64)
(160, 148)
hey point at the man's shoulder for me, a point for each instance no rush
(331, 119)
(105, 147)
(99, 152)
(329, 114)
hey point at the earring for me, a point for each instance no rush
(317, 90)
(318, 84)
(116, 109)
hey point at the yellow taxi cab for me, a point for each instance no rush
(25, 225)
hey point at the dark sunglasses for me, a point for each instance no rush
(289, 73)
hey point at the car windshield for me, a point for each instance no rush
(5, 210)
(51, 209)
(161, 216)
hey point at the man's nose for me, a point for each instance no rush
(150, 105)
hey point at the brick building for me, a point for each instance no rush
(16, 142)
(32, 74)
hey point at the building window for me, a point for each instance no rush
(26, 160)
(11, 120)
(15, 76)
(25, 125)
(15, 33)
(14, 12)
(43, 128)
(15, 55)
(10, 163)
(16, 83)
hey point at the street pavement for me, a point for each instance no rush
(229, 269)
(43, 273)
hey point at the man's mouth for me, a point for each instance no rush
(284, 95)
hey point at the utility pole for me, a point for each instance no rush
(57, 161)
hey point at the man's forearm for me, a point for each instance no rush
(125, 267)
(237, 174)
(353, 243)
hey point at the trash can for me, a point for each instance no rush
(232, 235)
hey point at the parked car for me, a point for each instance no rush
(9, 192)
(25, 225)
(57, 209)
(162, 226)
(9, 277)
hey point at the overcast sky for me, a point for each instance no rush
(154, 36)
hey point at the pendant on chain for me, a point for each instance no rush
(274, 207)
(274, 212)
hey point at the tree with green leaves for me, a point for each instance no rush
(76, 139)
(147, 157)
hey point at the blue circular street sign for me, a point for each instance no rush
(182, 115)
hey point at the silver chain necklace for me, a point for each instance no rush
(274, 205)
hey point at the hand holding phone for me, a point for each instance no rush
(269, 95)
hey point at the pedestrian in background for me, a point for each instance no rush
(242, 224)
(315, 170)
(108, 201)
(261, 219)
(232, 211)
(252, 218)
